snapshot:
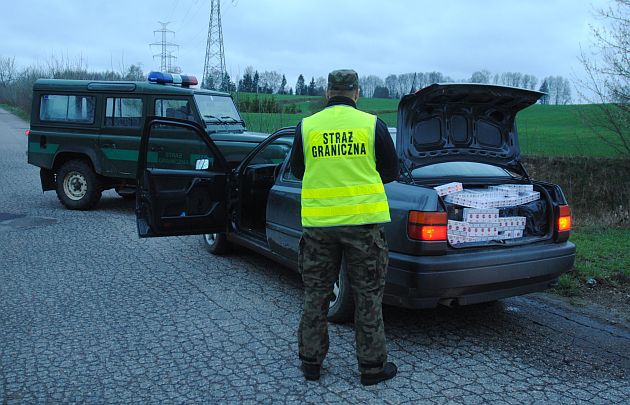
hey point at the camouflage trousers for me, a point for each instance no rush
(364, 249)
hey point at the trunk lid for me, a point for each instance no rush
(461, 122)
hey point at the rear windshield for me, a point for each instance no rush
(459, 169)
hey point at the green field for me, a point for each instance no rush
(550, 130)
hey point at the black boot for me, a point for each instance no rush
(389, 371)
(311, 371)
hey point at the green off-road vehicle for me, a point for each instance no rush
(84, 135)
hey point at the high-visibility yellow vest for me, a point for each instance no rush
(341, 185)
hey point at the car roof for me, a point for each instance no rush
(102, 86)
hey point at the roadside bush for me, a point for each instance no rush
(292, 109)
(257, 104)
(598, 189)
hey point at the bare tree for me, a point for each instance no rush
(8, 72)
(607, 83)
(368, 84)
(321, 83)
(271, 80)
(480, 77)
(391, 82)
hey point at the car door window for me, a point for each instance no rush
(183, 151)
(288, 174)
(123, 112)
(174, 108)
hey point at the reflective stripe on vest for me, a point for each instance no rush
(341, 185)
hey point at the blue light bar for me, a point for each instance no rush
(168, 78)
(160, 78)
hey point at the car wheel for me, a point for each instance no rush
(78, 187)
(216, 243)
(341, 306)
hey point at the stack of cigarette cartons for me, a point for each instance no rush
(461, 231)
(511, 227)
(482, 225)
(481, 220)
(493, 197)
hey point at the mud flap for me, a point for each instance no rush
(47, 178)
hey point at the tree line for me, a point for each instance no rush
(16, 85)
(558, 88)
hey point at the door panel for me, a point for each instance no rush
(284, 225)
(182, 181)
(120, 134)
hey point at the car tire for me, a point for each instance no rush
(341, 307)
(78, 187)
(216, 243)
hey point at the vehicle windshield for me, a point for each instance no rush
(215, 108)
(459, 169)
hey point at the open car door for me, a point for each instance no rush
(182, 180)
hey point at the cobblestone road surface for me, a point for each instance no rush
(91, 313)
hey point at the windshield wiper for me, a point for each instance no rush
(212, 117)
(234, 120)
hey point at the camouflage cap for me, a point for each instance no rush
(343, 79)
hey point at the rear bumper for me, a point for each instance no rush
(472, 277)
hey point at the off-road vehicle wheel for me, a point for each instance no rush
(216, 243)
(341, 307)
(78, 187)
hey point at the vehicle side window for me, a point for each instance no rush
(67, 108)
(288, 175)
(273, 153)
(174, 108)
(123, 112)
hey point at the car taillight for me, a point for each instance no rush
(27, 132)
(564, 219)
(563, 223)
(427, 226)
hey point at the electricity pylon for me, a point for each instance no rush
(214, 66)
(166, 54)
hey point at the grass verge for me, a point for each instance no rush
(602, 260)
(16, 111)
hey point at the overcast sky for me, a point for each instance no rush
(455, 37)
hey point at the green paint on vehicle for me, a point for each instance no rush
(127, 155)
(120, 154)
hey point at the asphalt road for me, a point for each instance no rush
(91, 313)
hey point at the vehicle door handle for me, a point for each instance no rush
(196, 182)
(108, 145)
(157, 148)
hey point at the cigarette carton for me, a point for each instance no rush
(449, 188)
(514, 188)
(477, 215)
